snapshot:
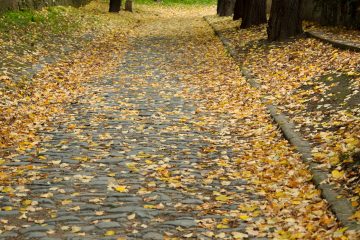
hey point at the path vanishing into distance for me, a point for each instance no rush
(171, 144)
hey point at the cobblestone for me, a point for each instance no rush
(107, 179)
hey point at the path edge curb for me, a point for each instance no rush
(340, 206)
(335, 43)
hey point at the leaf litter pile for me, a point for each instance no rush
(318, 86)
(247, 180)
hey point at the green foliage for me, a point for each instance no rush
(170, 2)
(20, 18)
(53, 18)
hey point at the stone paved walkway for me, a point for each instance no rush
(136, 115)
(132, 162)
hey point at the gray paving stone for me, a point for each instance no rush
(36, 228)
(109, 216)
(153, 236)
(130, 209)
(87, 228)
(8, 213)
(8, 235)
(192, 201)
(66, 218)
(87, 207)
(36, 235)
(50, 238)
(104, 225)
(181, 223)
(43, 200)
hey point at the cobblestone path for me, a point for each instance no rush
(134, 161)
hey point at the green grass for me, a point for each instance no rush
(170, 2)
(61, 19)
(21, 18)
(53, 18)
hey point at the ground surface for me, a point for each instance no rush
(317, 86)
(164, 141)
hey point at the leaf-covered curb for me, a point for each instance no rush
(336, 43)
(340, 206)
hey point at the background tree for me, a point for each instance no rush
(254, 13)
(285, 19)
(225, 7)
(239, 9)
(129, 5)
(339, 12)
(115, 6)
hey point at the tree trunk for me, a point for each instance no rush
(115, 6)
(285, 20)
(225, 7)
(254, 13)
(342, 12)
(239, 9)
(128, 5)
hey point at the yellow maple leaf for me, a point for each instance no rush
(319, 156)
(75, 229)
(239, 235)
(152, 184)
(121, 189)
(110, 233)
(244, 217)
(66, 201)
(3, 176)
(71, 126)
(7, 189)
(27, 202)
(7, 208)
(222, 226)
(356, 215)
(132, 167)
(249, 208)
(351, 73)
(148, 206)
(81, 158)
(337, 174)
(222, 198)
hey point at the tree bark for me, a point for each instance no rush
(128, 5)
(239, 9)
(115, 6)
(341, 12)
(218, 5)
(254, 13)
(285, 19)
(225, 7)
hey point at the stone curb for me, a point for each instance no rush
(340, 206)
(336, 43)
